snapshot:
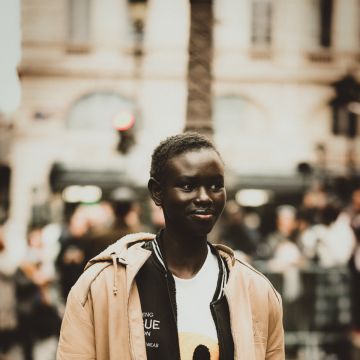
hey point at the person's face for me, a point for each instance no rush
(356, 200)
(193, 195)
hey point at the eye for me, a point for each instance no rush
(186, 187)
(215, 187)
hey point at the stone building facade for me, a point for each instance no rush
(274, 63)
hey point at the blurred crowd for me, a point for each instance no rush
(311, 254)
(35, 281)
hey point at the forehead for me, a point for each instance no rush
(205, 161)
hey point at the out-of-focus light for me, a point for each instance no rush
(123, 120)
(252, 197)
(83, 194)
(72, 194)
(90, 194)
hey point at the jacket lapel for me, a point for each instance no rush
(135, 258)
(237, 294)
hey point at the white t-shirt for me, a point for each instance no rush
(196, 326)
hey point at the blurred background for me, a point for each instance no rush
(88, 88)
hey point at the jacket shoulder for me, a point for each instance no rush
(116, 253)
(82, 287)
(119, 247)
(257, 279)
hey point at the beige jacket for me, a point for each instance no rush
(103, 318)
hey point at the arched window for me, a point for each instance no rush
(96, 111)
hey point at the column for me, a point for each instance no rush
(346, 28)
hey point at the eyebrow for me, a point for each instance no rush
(189, 177)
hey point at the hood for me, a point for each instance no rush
(126, 251)
(119, 248)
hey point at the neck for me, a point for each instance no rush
(184, 254)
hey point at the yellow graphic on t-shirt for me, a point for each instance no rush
(198, 347)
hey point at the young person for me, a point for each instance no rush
(174, 295)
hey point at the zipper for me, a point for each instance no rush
(231, 326)
(220, 342)
(174, 314)
(129, 320)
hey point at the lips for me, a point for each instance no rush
(203, 211)
(203, 214)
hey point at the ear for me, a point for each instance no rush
(155, 191)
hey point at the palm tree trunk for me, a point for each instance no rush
(199, 78)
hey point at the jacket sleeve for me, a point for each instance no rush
(275, 349)
(77, 340)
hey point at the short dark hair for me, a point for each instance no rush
(176, 145)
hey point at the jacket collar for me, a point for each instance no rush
(129, 251)
(119, 249)
(122, 249)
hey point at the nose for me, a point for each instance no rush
(203, 195)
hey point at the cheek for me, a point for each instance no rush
(177, 198)
(220, 200)
(174, 203)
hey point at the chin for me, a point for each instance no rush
(202, 231)
(194, 228)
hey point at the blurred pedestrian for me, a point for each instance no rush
(286, 259)
(71, 259)
(126, 220)
(174, 295)
(327, 246)
(37, 311)
(314, 201)
(281, 245)
(329, 242)
(236, 234)
(353, 212)
(8, 302)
